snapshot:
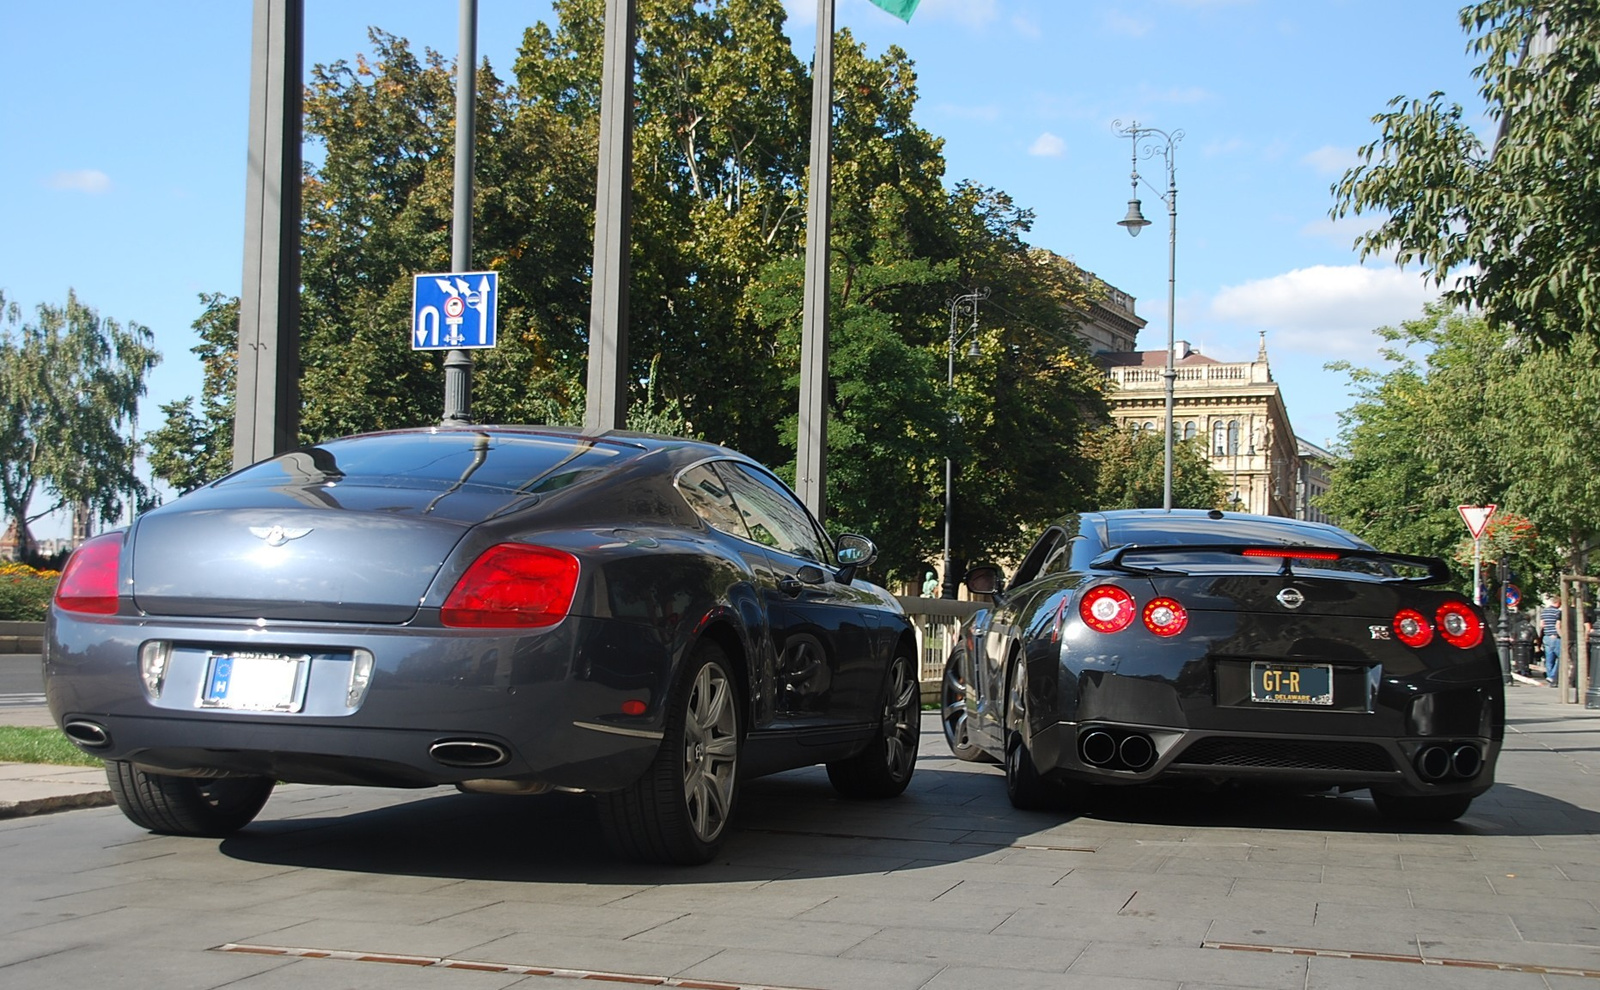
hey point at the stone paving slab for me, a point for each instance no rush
(945, 888)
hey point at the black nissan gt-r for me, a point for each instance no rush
(1143, 646)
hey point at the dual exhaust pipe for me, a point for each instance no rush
(1450, 762)
(1109, 749)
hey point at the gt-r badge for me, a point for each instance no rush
(277, 536)
(1291, 598)
(1380, 632)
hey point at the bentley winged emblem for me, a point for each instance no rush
(277, 536)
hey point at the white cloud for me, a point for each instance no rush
(1325, 310)
(1047, 145)
(1117, 22)
(1026, 27)
(1330, 160)
(84, 180)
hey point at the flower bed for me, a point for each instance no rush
(25, 592)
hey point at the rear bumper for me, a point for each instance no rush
(542, 707)
(1147, 753)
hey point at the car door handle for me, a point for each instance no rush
(790, 586)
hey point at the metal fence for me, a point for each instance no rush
(936, 620)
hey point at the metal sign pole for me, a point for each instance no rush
(458, 362)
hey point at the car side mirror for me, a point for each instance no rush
(985, 579)
(853, 552)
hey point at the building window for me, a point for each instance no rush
(1219, 438)
(1233, 436)
(1188, 430)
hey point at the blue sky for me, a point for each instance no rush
(125, 129)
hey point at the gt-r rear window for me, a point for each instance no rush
(1161, 529)
(454, 458)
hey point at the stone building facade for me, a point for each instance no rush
(1235, 409)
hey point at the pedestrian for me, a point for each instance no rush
(1550, 632)
(930, 585)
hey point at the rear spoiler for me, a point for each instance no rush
(1437, 571)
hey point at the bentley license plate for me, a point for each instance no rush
(1291, 683)
(256, 682)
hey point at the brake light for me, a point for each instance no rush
(513, 585)
(1412, 629)
(89, 581)
(1165, 617)
(1290, 553)
(1459, 625)
(1106, 608)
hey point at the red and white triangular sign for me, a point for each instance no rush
(1476, 517)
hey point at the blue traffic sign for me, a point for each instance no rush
(1513, 595)
(451, 310)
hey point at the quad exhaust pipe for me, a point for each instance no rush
(1112, 750)
(1436, 763)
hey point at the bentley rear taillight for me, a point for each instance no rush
(1411, 628)
(1459, 625)
(513, 585)
(89, 582)
(1106, 608)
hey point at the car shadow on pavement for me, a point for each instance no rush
(787, 826)
(1505, 809)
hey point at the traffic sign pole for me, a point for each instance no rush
(1477, 519)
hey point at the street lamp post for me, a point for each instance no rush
(1158, 142)
(970, 300)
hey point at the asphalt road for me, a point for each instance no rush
(20, 674)
(944, 888)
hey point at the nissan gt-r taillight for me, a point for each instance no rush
(1411, 628)
(1459, 625)
(89, 581)
(513, 585)
(1165, 617)
(1106, 608)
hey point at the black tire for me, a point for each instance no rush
(678, 810)
(953, 715)
(209, 807)
(1026, 788)
(1430, 808)
(884, 767)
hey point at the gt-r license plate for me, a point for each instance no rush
(255, 682)
(1291, 683)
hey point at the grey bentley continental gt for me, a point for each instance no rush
(509, 610)
(1140, 647)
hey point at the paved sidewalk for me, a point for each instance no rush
(946, 888)
(35, 788)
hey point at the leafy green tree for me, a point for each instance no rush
(1130, 465)
(1416, 442)
(71, 384)
(721, 133)
(1548, 422)
(1515, 222)
(191, 448)
(1482, 416)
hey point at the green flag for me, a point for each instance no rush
(902, 9)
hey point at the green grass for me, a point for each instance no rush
(29, 745)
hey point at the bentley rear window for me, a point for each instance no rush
(461, 458)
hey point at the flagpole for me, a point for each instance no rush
(811, 442)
